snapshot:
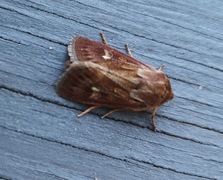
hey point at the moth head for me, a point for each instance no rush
(167, 94)
(156, 86)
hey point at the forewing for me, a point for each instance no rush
(84, 49)
(96, 84)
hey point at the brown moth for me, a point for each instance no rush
(102, 76)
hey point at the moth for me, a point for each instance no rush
(101, 76)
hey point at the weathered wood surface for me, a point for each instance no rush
(40, 134)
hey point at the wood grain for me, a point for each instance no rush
(40, 134)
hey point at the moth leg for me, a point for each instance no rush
(153, 119)
(114, 110)
(103, 38)
(87, 110)
(161, 67)
(128, 50)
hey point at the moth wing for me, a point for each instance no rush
(95, 84)
(84, 49)
(101, 75)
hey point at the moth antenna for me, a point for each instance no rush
(87, 110)
(128, 50)
(161, 67)
(103, 38)
(153, 119)
(114, 110)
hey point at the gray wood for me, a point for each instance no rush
(40, 134)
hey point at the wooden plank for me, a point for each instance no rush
(41, 138)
